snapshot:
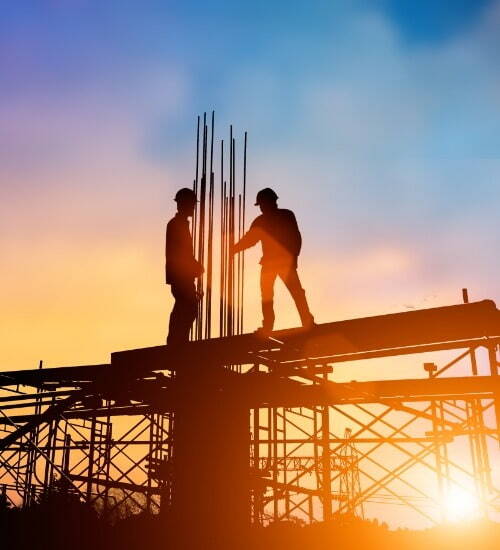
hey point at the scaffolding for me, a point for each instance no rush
(313, 448)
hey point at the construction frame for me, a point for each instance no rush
(244, 430)
(302, 447)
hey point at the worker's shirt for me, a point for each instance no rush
(180, 263)
(280, 237)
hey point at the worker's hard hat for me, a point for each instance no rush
(185, 194)
(265, 195)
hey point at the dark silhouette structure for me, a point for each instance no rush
(57, 526)
(281, 240)
(222, 453)
(181, 268)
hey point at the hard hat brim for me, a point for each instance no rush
(177, 200)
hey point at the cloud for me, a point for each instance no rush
(387, 152)
(388, 145)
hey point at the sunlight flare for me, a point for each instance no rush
(460, 505)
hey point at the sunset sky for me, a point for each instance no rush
(377, 122)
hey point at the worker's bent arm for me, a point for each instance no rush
(171, 246)
(167, 250)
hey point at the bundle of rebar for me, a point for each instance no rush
(231, 225)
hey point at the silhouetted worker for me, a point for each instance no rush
(279, 234)
(181, 268)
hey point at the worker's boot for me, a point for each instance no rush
(306, 316)
(263, 332)
(308, 322)
(267, 319)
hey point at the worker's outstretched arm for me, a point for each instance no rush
(250, 238)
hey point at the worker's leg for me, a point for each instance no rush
(183, 313)
(267, 278)
(291, 279)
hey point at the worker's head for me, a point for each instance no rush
(186, 201)
(266, 200)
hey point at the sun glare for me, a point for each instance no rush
(460, 505)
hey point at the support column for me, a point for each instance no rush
(494, 364)
(211, 489)
(325, 463)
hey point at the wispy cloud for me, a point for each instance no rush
(387, 151)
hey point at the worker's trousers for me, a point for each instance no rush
(288, 274)
(183, 313)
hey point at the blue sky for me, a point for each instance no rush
(376, 121)
(64, 48)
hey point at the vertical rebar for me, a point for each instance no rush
(230, 276)
(208, 302)
(222, 243)
(243, 228)
(195, 181)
